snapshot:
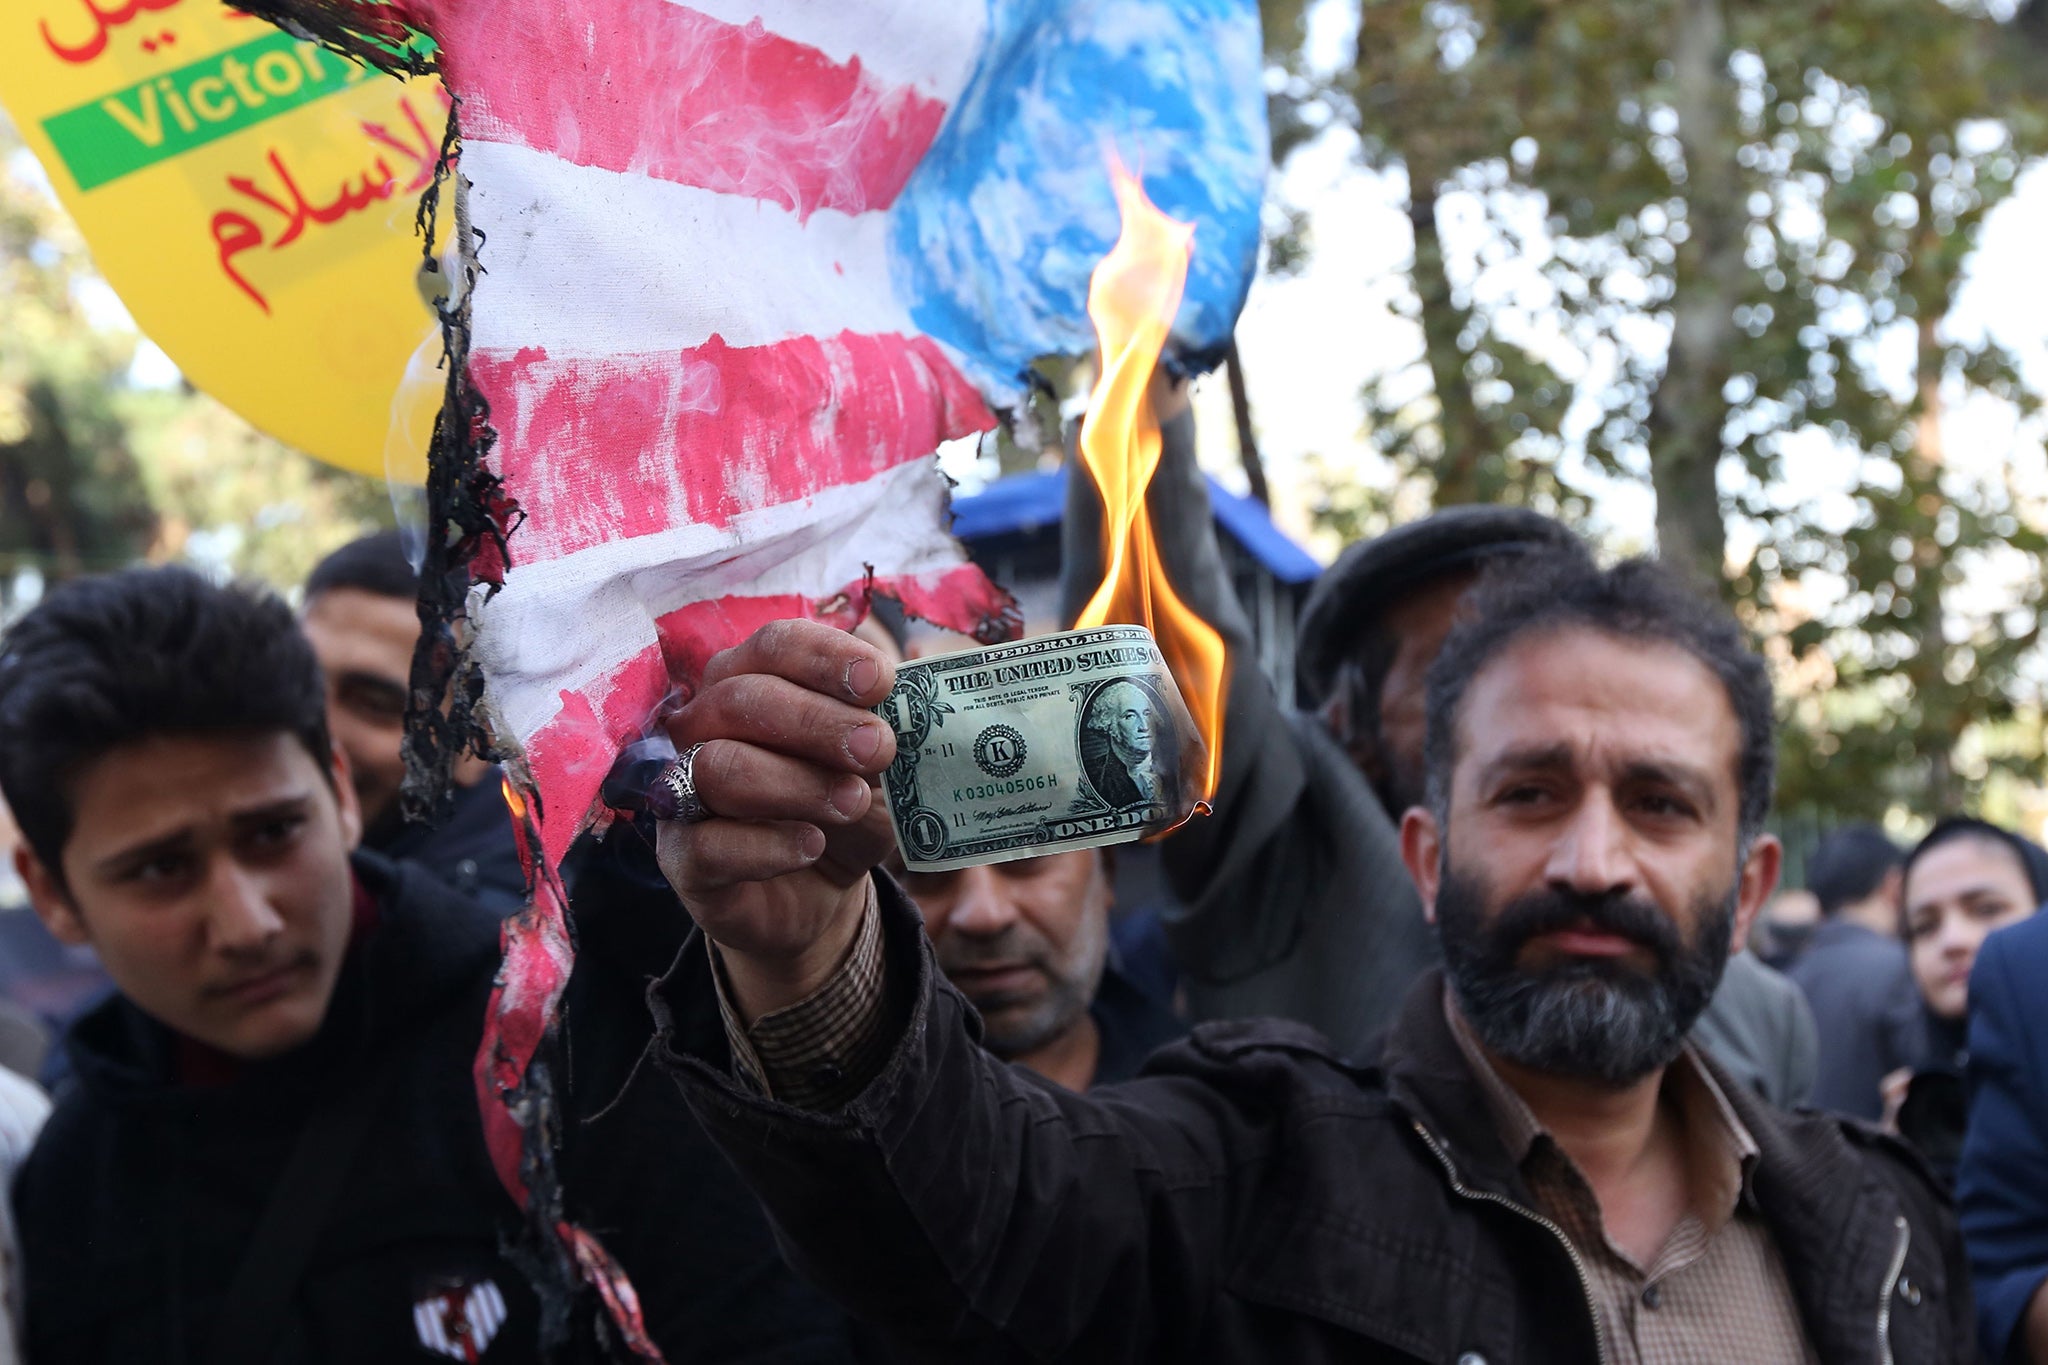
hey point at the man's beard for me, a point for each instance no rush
(1014, 1027)
(1595, 1019)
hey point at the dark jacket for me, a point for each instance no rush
(2002, 1178)
(1253, 1198)
(1131, 1025)
(1757, 1026)
(137, 1203)
(1936, 1104)
(1866, 1010)
(473, 851)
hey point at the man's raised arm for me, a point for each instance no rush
(1227, 868)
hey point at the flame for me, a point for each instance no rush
(513, 801)
(1132, 298)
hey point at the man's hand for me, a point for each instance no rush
(777, 875)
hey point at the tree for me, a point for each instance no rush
(1675, 242)
(71, 496)
(232, 498)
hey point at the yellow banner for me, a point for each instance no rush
(249, 196)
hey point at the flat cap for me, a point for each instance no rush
(1367, 576)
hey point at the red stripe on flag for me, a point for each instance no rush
(615, 1287)
(960, 599)
(570, 755)
(525, 1003)
(660, 90)
(691, 635)
(531, 978)
(712, 431)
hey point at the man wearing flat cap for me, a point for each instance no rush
(1293, 898)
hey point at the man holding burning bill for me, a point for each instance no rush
(1536, 1165)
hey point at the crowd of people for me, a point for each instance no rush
(1486, 1033)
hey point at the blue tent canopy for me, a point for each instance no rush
(1023, 503)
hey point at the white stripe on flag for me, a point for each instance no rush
(566, 623)
(912, 42)
(580, 261)
(426, 1320)
(486, 1312)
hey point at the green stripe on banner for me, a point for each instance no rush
(169, 115)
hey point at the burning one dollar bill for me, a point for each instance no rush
(1062, 742)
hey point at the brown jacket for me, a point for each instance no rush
(1253, 1198)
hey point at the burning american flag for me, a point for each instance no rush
(736, 268)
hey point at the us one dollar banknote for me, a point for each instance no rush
(1061, 742)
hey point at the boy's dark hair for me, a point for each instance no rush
(1637, 599)
(2033, 859)
(375, 564)
(1850, 864)
(112, 660)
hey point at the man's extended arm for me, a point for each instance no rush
(969, 1207)
(2002, 1179)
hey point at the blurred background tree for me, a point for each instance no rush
(1711, 248)
(107, 457)
(71, 494)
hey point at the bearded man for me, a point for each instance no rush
(1027, 942)
(1269, 915)
(1534, 1166)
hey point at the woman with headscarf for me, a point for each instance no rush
(1965, 880)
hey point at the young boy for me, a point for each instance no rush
(272, 1151)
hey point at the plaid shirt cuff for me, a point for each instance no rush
(823, 1050)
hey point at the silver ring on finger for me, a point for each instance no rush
(678, 783)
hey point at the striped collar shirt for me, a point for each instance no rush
(1716, 1290)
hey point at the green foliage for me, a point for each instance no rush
(1344, 507)
(71, 496)
(97, 472)
(1701, 225)
(231, 497)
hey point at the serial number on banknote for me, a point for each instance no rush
(1080, 721)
